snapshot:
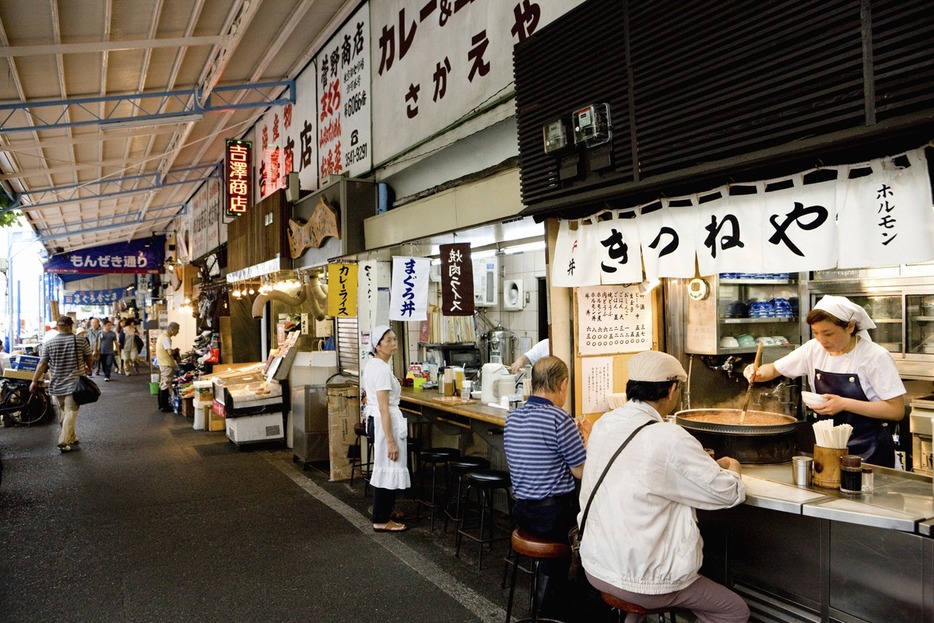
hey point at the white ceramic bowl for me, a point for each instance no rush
(811, 399)
(728, 341)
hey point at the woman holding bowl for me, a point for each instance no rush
(857, 377)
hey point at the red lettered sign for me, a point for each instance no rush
(237, 179)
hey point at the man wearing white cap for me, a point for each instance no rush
(856, 376)
(641, 541)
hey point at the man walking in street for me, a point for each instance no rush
(62, 355)
(166, 360)
(108, 349)
(94, 339)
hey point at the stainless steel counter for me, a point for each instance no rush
(900, 501)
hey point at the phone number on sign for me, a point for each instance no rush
(355, 154)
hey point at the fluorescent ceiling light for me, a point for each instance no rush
(145, 122)
(525, 248)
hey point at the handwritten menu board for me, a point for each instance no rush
(612, 320)
(597, 375)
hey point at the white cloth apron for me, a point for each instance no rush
(389, 474)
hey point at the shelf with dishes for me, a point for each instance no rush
(757, 320)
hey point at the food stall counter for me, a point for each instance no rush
(473, 410)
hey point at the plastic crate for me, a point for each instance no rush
(24, 362)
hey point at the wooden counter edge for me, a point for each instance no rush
(475, 411)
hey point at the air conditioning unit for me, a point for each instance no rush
(485, 282)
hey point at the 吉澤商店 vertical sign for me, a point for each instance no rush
(237, 178)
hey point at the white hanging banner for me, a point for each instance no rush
(367, 291)
(615, 247)
(730, 231)
(570, 268)
(800, 231)
(668, 237)
(886, 218)
(408, 299)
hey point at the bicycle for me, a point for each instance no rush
(21, 407)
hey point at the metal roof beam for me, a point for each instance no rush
(16, 51)
(28, 117)
(153, 181)
(131, 223)
(69, 227)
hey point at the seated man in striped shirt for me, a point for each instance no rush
(545, 454)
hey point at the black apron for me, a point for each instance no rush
(871, 439)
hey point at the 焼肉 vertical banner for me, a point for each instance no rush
(456, 280)
(408, 299)
(342, 290)
(344, 100)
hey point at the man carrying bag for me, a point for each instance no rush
(61, 356)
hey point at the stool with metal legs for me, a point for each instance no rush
(485, 482)
(536, 549)
(624, 607)
(458, 470)
(435, 457)
(360, 461)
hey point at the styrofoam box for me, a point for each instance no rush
(263, 427)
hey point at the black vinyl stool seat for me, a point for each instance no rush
(434, 457)
(485, 482)
(624, 607)
(457, 473)
(359, 463)
(537, 549)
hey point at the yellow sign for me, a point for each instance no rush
(342, 290)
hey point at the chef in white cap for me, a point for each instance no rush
(383, 390)
(856, 376)
(641, 542)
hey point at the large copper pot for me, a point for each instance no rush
(762, 437)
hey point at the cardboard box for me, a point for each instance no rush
(265, 427)
(215, 423)
(343, 413)
(188, 407)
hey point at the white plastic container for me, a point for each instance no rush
(199, 418)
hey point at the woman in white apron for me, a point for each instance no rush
(382, 390)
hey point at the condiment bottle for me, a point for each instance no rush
(868, 485)
(851, 474)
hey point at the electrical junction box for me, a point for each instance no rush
(592, 125)
(555, 135)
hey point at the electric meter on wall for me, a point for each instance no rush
(592, 125)
(555, 135)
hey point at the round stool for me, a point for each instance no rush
(485, 483)
(458, 470)
(357, 461)
(525, 544)
(434, 458)
(624, 607)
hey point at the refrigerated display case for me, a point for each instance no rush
(900, 303)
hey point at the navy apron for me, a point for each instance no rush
(871, 438)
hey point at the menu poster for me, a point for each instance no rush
(612, 320)
(597, 383)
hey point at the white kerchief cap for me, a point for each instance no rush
(846, 310)
(376, 335)
(656, 367)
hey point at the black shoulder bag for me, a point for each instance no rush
(86, 391)
(577, 532)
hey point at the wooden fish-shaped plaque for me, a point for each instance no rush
(322, 224)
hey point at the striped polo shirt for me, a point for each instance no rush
(541, 442)
(63, 352)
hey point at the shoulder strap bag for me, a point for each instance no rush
(577, 532)
(86, 391)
